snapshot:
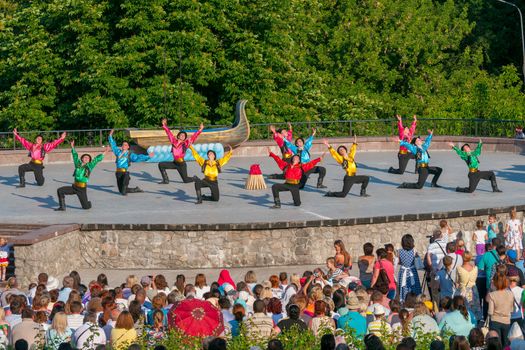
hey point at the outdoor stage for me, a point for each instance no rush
(174, 203)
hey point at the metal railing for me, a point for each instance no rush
(332, 128)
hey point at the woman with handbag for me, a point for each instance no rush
(408, 277)
(383, 277)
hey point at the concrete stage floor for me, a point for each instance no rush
(174, 203)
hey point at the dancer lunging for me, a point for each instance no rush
(124, 157)
(405, 134)
(420, 150)
(293, 172)
(279, 135)
(179, 145)
(83, 168)
(211, 169)
(346, 160)
(37, 152)
(474, 175)
(302, 149)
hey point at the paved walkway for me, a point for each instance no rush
(174, 203)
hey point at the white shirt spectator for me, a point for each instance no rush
(89, 335)
(437, 250)
(13, 320)
(74, 321)
(199, 292)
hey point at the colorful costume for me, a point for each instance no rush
(4, 254)
(123, 161)
(304, 153)
(37, 154)
(474, 175)
(350, 168)
(211, 170)
(403, 155)
(285, 151)
(292, 175)
(81, 174)
(178, 148)
(422, 159)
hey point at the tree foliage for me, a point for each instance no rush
(118, 63)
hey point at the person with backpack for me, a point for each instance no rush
(383, 275)
(293, 172)
(347, 161)
(37, 153)
(420, 151)
(211, 169)
(83, 168)
(179, 145)
(302, 149)
(405, 134)
(474, 176)
(124, 157)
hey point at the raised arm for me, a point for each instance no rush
(400, 128)
(290, 146)
(461, 154)
(48, 147)
(195, 135)
(113, 144)
(413, 126)
(309, 141)
(91, 165)
(426, 145)
(27, 145)
(197, 156)
(338, 158)
(74, 153)
(310, 164)
(477, 151)
(280, 163)
(353, 150)
(226, 158)
(168, 131)
(137, 158)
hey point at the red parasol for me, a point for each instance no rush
(196, 318)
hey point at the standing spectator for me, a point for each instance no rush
(291, 289)
(201, 287)
(277, 292)
(75, 319)
(512, 258)
(457, 321)
(283, 280)
(466, 277)
(251, 279)
(27, 329)
(58, 333)
(124, 332)
(436, 251)
(275, 308)
(519, 134)
(293, 320)
(480, 237)
(366, 265)
(501, 305)
(408, 277)
(320, 320)
(115, 313)
(457, 260)
(4, 329)
(446, 281)
(327, 342)
(89, 335)
(67, 283)
(514, 233)
(353, 320)
(383, 264)
(517, 291)
(259, 325)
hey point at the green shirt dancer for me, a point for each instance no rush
(474, 175)
(83, 168)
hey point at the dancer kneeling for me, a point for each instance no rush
(293, 172)
(83, 168)
(420, 150)
(211, 169)
(346, 160)
(474, 175)
(403, 156)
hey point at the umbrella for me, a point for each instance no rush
(196, 318)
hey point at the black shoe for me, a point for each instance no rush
(275, 206)
(363, 194)
(497, 190)
(206, 197)
(60, 209)
(164, 182)
(272, 176)
(435, 185)
(321, 186)
(391, 170)
(21, 186)
(199, 201)
(329, 194)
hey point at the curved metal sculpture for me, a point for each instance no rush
(234, 136)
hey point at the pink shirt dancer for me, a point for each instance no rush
(405, 134)
(279, 136)
(180, 146)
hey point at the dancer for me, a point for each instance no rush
(179, 145)
(211, 169)
(279, 135)
(293, 172)
(83, 168)
(420, 150)
(474, 175)
(302, 149)
(124, 157)
(37, 152)
(346, 160)
(405, 134)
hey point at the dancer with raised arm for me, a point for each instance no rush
(420, 151)
(124, 157)
(211, 169)
(474, 175)
(405, 134)
(37, 152)
(279, 135)
(293, 172)
(347, 161)
(83, 168)
(302, 149)
(179, 145)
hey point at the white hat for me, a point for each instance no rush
(52, 283)
(378, 310)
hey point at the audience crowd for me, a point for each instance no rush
(465, 291)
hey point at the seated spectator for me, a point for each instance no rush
(89, 335)
(293, 321)
(58, 333)
(239, 312)
(200, 286)
(115, 313)
(321, 321)
(124, 332)
(353, 321)
(422, 322)
(328, 342)
(27, 329)
(457, 321)
(15, 306)
(259, 325)
(156, 332)
(379, 325)
(275, 309)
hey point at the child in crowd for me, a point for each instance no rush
(492, 228)
(514, 233)
(480, 237)
(4, 328)
(444, 277)
(460, 246)
(5, 248)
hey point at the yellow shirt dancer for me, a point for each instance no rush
(346, 160)
(211, 169)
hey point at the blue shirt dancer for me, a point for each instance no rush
(302, 149)
(124, 157)
(420, 150)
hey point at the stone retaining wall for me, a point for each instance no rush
(194, 249)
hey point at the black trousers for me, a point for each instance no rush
(123, 183)
(321, 170)
(403, 162)
(181, 167)
(38, 169)
(348, 182)
(502, 329)
(294, 189)
(474, 178)
(212, 185)
(423, 175)
(81, 193)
